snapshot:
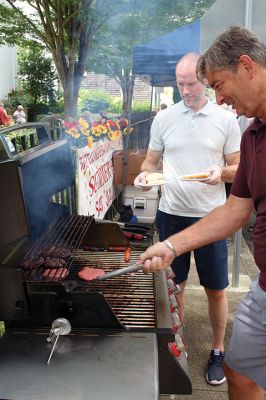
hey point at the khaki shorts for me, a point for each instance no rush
(247, 348)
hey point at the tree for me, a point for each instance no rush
(141, 21)
(37, 76)
(68, 28)
(65, 27)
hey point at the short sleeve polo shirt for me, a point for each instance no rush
(191, 142)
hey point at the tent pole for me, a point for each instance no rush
(151, 107)
(126, 142)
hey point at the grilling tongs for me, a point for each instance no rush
(117, 272)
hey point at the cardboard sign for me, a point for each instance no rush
(95, 177)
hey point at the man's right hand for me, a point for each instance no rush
(157, 258)
(140, 182)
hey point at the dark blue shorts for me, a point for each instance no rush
(211, 260)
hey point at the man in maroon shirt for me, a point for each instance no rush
(235, 67)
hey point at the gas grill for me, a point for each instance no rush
(126, 337)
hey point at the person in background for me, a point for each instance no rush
(102, 117)
(4, 120)
(19, 115)
(235, 67)
(163, 106)
(87, 116)
(195, 135)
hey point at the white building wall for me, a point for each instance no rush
(8, 70)
(225, 13)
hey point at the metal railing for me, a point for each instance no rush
(236, 258)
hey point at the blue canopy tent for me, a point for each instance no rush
(156, 60)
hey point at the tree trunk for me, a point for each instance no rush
(127, 92)
(70, 100)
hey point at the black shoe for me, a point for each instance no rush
(215, 373)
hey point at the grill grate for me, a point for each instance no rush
(131, 296)
(65, 233)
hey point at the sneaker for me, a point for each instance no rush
(215, 373)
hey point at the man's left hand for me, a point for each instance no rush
(216, 175)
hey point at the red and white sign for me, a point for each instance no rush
(95, 177)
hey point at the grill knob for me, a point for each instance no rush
(170, 273)
(176, 319)
(174, 350)
(173, 301)
(172, 308)
(179, 342)
(174, 288)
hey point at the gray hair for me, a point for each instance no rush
(225, 51)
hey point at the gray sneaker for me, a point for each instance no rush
(215, 373)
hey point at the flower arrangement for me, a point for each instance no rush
(88, 132)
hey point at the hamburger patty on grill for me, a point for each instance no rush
(50, 262)
(88, 273)
(55, 252)
(32, 262)
(60, 252)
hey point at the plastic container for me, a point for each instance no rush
(144, 204)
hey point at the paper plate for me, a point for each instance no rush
(181, 178)
(154, 183)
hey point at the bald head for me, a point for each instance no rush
(188, 61)
(191, 90)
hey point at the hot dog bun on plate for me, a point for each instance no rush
(198, 175)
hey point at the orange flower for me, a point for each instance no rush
(90, 142)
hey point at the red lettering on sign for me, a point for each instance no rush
(101, 176)
(99, 206)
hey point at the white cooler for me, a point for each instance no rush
(144, 204)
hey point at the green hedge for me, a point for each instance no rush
(96, 101)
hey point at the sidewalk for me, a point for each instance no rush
(197, 331)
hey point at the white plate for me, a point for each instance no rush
(193, 179)
(154, 183)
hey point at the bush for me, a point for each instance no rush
(17, 96)
(58, 107)
(115, 106)
(94, 101)
(141, 106)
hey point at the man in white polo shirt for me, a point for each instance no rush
(195, 135)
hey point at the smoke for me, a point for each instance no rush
(44, 173)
